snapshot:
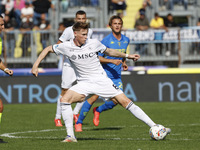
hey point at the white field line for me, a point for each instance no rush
(14, 134)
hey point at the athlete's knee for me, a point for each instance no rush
(123, 100)
(63, 91)
(1, 106)
(114, 101)
(92, 99)
(64, 100)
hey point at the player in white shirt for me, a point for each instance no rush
(68, 74)
(92, 78)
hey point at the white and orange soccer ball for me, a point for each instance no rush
(158, 132)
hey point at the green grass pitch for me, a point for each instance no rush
(31, 127)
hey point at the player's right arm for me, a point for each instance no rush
(6, 70)
(42, 55)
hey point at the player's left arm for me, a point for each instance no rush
(114, 53)
(113, 61)
(42, 55)
(6, 70)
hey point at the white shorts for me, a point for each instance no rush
(68, 75)
(101, 86)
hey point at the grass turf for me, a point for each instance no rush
(31, 126)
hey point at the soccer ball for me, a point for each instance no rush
(158, 132)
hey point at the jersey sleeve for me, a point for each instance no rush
(100, 47)
(66, 35)
(104, 43)
(60, 49)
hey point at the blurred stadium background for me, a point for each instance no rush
(172, 76)
(171, 82)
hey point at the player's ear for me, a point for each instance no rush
(75, 33)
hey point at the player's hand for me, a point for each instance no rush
(116, 61)
(134, 57)
(125, 67)
(34, 71)
(9, 72)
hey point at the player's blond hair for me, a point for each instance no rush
(80, 25)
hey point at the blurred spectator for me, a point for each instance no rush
(26, 36)
(18, 5)
(158, 23)
(2, 6)
(172, 2)
(10, 37)
(61, 27)
(169, 22)
(142, 24)
(164, 4)
(41, 7)
(94, 3)
(27, 12)
(145, 4)
(119, 6)
(64, 5)
(9, 7)
(43, 25)
(196, 45)
(79, 3)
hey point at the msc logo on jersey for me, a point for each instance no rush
(83, 56)
(125, 41)
(73, 57)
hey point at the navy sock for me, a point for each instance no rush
(107, 105)
(85, 109)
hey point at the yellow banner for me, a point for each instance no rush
(174, 71)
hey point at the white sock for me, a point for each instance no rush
(67, 115)
(78, 107)
(58, 109)
(140, 114)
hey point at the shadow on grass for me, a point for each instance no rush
(92, 139)
(106, 128)
(2, 141)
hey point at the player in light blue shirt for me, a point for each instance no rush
(114, 40)
(114, 71)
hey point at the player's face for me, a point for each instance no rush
(80, 18)
(1, 24)
(116, 26)
(81, 36)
